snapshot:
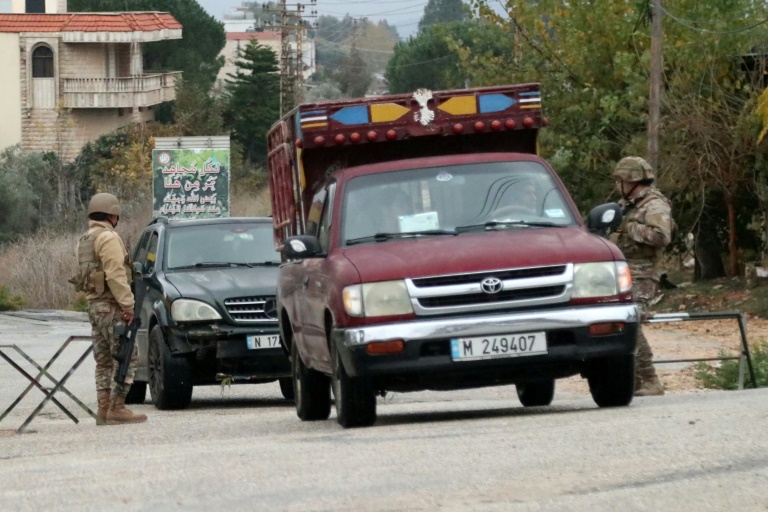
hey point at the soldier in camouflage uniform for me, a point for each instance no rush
(105, 275)
(644, 232)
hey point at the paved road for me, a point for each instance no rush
(243, 448)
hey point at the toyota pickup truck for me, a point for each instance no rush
(425, 245)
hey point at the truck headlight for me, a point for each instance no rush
(187, 310)
(377, 299)
(601, 279)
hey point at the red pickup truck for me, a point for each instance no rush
(427, 246)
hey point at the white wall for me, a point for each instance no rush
(10, 90)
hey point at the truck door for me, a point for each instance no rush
(317, 281)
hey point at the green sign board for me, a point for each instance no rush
(190, 183)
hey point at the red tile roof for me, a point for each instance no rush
(247, 36)
(86, 22)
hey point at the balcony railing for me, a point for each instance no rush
(135, 91)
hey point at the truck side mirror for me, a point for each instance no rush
(604, 217)
(300, 247)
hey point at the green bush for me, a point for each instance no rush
(726, 375)
(8, 301)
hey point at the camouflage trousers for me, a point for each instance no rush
(104, 317)
(645, 291)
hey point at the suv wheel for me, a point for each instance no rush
(286, 388)
(612, 381)
(532, 394)
(170, 377)
(355, 397)
(312, 390)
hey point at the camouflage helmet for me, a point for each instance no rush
(104, 203)
(633, 169)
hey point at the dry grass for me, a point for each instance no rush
(38, 266)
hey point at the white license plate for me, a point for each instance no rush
(498, 346)
(260, 342)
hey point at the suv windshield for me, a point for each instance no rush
(220, 245)
(456, 198)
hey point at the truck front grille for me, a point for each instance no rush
(491, 290)
(262, 310)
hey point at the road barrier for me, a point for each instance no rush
(722, 315)
(43, 371)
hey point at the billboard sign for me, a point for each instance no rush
(190, 183)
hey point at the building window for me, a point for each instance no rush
(42, 62)
(35, 7)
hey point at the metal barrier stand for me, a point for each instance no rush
(35, 381)
(722, 315)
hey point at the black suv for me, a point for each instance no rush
(209, 313)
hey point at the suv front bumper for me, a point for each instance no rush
(426, 361)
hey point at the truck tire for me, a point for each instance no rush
(170, 377)
(137, 394)
(355, 397)
(312, 390)
(536, 393)
(612, 381)
(286, 388)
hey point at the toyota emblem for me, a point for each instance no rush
(270, 308)
(491, 285)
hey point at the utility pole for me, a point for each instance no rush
(292, 28)
(654, 96)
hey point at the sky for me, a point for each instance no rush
(404, 14)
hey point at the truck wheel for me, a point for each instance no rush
(612, 381)
(532, 394)
(312, 390)
(170, 377)
(355, 397)
(137, 394)
(286, 388)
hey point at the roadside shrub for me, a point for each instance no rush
(8, 301)
(726, 375)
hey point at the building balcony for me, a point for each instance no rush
(135, 91)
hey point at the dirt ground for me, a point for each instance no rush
(688, 340)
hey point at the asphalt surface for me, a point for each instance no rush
(243, 448)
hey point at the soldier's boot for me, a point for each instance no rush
(102, 395)
(118, 413)
(650, 386)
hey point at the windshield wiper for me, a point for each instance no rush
(506, 223)
(263, 264)
(383, 237)
(213, 264)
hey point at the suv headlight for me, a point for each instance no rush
(377, 299)
(187, 310)
(601, 279)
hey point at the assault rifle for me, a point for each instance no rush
(127, 333)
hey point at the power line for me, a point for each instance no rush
(707, 31)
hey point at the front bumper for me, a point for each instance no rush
(426, 362)
(228, 345)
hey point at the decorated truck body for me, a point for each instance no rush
(426, 246)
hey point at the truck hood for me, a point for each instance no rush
(217, 284)
(476, 252)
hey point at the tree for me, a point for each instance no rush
(442, 11)
(353, 75)
(253, 100)
(433, 58)
(26, 192)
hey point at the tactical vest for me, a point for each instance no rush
(90, 277)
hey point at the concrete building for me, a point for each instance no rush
(239, 40)
(72, 77)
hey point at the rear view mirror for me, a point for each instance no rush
(604, 217)
(300, 247)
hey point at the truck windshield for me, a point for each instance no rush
(225, 245)
(490, 195)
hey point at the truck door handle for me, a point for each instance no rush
(306, 281)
